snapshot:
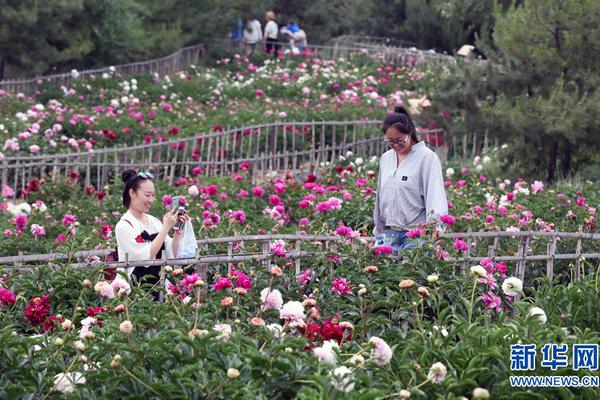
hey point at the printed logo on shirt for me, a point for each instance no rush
(405, 178)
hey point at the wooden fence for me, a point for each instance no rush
(295, 146)
(525, 251)
(343, 47)
(178, 61)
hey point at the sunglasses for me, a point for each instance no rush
(146, 175)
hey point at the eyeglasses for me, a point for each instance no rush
(146, 175)
(396, 142)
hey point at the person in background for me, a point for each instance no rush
(270, 36)
(252, 36)
(141, 235)
(410, 186)
(296, 37)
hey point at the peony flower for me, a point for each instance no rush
(6, 296)
(126, 327)
(512, 286)
(341, 379)
(104, 289)
(37, 310)
(448, 219)
(379, 250)
(292, 312)
(193, 190)
(224, 330)
(120, 286)
(233, 373)
(69, 219)
(305, 277)
(437, 373)
(481, 394)
(537, 187)
(382, 354)
(65, 383)
(278, 248)
(460, 245)
(341, 286)
(222, 283)
(275, 330)
(478, 270)
(188, 282)
(325, 353)
(538, 314)
(271, 299)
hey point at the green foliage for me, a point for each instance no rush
(538, 91)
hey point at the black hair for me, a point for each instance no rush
(133, 181)
(401, 121)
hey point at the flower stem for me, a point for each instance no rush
(142, 382)
(472, 305)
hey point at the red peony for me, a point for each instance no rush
(37, 310)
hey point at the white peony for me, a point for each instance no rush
(325, 353)
(193, 190)
(511, 286)
(293, 312)
(65, 383)
(539, 314)
(342, 379)
(478, 270)
(437, 373)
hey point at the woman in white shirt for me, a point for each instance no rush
(270, 36)
(410, 187)
(139, 234)
(252, 36)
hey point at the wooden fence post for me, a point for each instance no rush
(551, 249)
(577, 272)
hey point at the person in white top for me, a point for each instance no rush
(140, 235)
(270, 36)
(252, 36)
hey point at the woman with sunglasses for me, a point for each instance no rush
(139, 234)
(410, 186)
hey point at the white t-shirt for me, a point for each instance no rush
(271, 30)
(255, 35)
(126, 235)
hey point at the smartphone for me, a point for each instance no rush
(179, 209)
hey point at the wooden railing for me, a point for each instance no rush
(525, 254)
(170, 64)
(294, 146)
(344, 46)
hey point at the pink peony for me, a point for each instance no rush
(448, 219)
(222, 283)
(305, 277)
(537, 187)
(382, 353)
(341, 286)
(460, 245)
(189, 281)
(242, 280)
(271, 299)
(383, 250)
(258, 191)
(38, 230)
(69, 219)
(20, 222)
(6, 296)
(292, 312)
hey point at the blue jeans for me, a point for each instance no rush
(397, 239)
